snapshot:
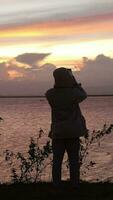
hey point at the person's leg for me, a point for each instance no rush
(58, 147)
(72, 148)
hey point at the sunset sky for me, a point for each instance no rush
(65, 29)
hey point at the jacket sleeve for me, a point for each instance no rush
(49, 97)
(79, 94)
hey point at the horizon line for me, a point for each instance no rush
(42, 96)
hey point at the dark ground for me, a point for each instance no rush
(46, 191)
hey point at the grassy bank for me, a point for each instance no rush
(87, 191)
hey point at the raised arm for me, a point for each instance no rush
(79, 94)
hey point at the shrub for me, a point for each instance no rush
(32, 165)
(87, 141)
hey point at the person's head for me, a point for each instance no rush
(63, 77)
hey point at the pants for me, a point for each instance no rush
(72, 147)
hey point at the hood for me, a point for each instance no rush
(63, 77)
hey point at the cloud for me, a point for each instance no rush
(97, 75)
(3, 71)
(31, 58)
(26, 66)
(18, 78)
(28, 12)
(32, 83)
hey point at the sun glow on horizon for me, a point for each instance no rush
(64, 53)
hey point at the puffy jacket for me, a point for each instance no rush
(64, 104)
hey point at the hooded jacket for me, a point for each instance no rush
(64, 100)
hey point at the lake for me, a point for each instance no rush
(23, 118)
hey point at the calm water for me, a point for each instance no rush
(23, 117)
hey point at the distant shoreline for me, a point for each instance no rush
(38, 96)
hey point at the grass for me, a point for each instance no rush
(46, 191)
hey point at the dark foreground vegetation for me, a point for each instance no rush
(43, 190)
(27, 169)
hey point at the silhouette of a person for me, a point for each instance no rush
(64, 100)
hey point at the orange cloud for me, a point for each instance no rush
(81, 25)
(14, 74)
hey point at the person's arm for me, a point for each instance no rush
(79, 94)
(48, 95)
